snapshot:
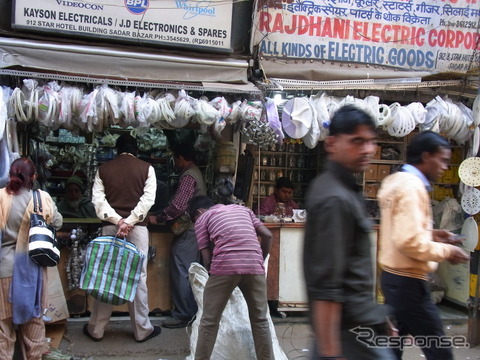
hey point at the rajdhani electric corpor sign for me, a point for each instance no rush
(433, 35)
(182, 23)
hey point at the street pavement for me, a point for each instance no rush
(293, 334)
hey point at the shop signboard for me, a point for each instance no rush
(205, 24)
(428, 35)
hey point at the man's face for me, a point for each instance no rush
(354, 151)
(284, 194)
(436, 163)
(73, 192)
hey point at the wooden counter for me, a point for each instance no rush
(285, 283)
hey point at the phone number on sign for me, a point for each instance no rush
(178, 39)
(208, 42)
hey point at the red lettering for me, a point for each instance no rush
(264, 21)
(327, 28)
(315, 26)
(385, 31)
(303, 25)
(376, 32)
(420, 37)
(357, 30)
(278, 24)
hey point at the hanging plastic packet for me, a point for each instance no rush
(88, 114)
(48, 105)
(183, 109)
(127, 108)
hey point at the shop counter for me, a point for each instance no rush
(158, 282)
(285, 281)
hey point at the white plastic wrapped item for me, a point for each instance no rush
(205, 113)
(322, 114)
(476, 110)
(297, 116)
(372, 106)
(402, 122)
(167, 118)
(88, 113)
(108, 112)
(31, 98)
(17, 103)
(3, 113)
(234, 339)
(235, 114)
(418, 112)
(143, 110)
(49, 105)
(183, 109)
(384, 115)
(127, 108)
(313, 135)
(251, 110)
(65, 113)
(221, 104)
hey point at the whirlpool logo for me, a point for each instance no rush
(137, 7)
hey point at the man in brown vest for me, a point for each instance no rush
(123, 193)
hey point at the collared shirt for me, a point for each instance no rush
(179, 203)
(337, 262)
(231, 231)
(413, 170)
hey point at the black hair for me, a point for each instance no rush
(348, 118)
(126, 143)
(184, 150)
(283, 182)
(198, 202)
(427, 141)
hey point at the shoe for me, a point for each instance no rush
(156, 331)
(85, 331)
(175, 323)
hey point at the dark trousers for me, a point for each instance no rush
(415, 313)
(184, 252)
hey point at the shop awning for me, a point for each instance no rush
(119, 63)
(312, 70)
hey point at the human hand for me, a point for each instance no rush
(458, 256)
(123, 228)
(152, 219)
(443, 236)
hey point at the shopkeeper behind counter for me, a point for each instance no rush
(74, 204)
(280, 202)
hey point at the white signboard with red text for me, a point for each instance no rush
(432, 35)
(184, 23)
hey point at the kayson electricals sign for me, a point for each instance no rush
(178, 23)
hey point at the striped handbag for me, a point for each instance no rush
(111, 270)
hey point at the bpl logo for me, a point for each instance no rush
(136, 7)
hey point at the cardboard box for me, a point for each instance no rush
(382, 172)
(370, 190)
(378, 152)
(371, 172)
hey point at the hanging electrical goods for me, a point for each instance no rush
(469, 171)
(471, 201)
(70, 107)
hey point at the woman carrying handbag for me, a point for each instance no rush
(23, 283)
